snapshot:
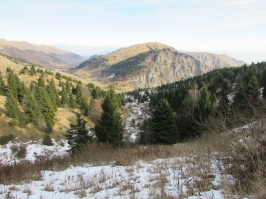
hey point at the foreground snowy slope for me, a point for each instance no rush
(161, 177)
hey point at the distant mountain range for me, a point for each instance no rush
(41, 55)
(138, 66)
(87, 51)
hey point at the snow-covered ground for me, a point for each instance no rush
(151, 179)
(135, 115)
(179, 177)
(33, 149)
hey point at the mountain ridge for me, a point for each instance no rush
(151, 64)
(41, 55)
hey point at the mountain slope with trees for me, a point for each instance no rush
(224, 93)
(38, 100)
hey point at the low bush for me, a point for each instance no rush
(19, 151)
(4, 139)
(47, 140)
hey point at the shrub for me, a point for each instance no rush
(47, 140)
(4, 139)
(19, 151)
(14, 121)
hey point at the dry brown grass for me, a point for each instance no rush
(4, 63)
(102, 154)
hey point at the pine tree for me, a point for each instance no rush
(164, 129)
(64, 97)
(11, 105)
(240, 99)
(67, 86)
(77, 136)
(224, 104)
(31, 108)
(109, 128)
(53, 94)
(81, 100)
(45, 107)
(78, 94)
(41, 81)
(204, 106)
(32, 86)
(12, 83)
(2, 85)
(22, 91)
(72, 101)
(32, 71)
(253, 92)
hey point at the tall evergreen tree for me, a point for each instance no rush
(22, 91)
(253, 90)
(41, 81)
(53, 94)
(12, 83)
(240, 99)
(32, 71)
(11, 105)
(67, 86)
(204, 106)
(79, 94)
(45, 107)
(64, 97)
(72, 101)
(109, 128)
(164, 129)
(32, 86)
(31, 108)
(2, 85)
(77, 136)
(224, 104)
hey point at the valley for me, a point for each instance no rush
(216, 102)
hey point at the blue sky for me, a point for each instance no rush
(234, 27)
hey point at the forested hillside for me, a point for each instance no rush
(222, 94)
(35, 102)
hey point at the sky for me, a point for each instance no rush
(233, 27)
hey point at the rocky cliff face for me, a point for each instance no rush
(215, 61)
(166, 66)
